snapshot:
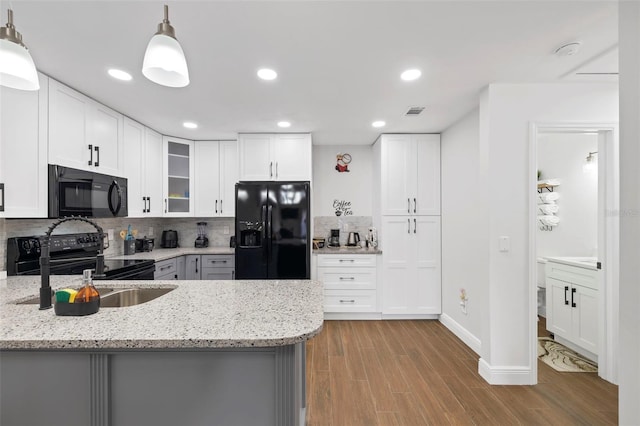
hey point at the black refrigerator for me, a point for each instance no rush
(272, 230)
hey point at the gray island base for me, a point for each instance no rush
(206, 353)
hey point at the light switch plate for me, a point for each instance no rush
(226, 230)
(504, 244)
(111, 234)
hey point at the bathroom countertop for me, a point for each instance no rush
(581, 262)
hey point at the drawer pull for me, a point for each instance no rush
(347, 301)
(347, 260)
(162, 268)
(347, 278)
(216, 261)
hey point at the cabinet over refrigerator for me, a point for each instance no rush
(272, 230)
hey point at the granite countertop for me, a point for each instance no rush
(160, 254)
(347, 250)
(195, 315)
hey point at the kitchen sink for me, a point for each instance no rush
(118, 298)
(35, 300)
(132, 297)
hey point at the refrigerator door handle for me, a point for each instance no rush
(263, 218)
(269, 220)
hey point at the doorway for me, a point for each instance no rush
(589, 153)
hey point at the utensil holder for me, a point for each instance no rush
(129, 247)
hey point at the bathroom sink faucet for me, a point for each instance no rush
(45, 268)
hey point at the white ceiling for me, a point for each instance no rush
(338, 61)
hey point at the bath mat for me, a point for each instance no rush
(563, 359)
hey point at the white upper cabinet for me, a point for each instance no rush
(275, 157)
(215, 178)
(142, 168)
(83, 134)
(178, 182)
(410, 174)
(23, 151)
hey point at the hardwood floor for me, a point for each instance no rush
(419, 373)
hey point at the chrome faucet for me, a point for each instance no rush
(45, 269)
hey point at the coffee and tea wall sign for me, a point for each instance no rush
(342, 162)
(342, 208)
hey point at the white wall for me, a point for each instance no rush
(561, 156)
(329, 185)
(629, 391)
(506, 111)
(465, 253)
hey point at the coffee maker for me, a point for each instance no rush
(334, 238)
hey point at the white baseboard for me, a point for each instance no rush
(352, 316)
(462, 333)
(505, 375)
(409, 316)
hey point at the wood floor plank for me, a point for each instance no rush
(387, 419)
(380, 390)
(334, 338)
(366, 333)
(320, 361)
(408, 411)
(319, 407)
(351, 350)
(390, 336)
(351, 400)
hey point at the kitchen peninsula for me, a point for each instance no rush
(207, 352)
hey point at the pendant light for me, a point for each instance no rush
(17, 69)
(164, 62)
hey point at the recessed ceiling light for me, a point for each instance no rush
(119, 74)
(410, 75)
(190, 125)
(284, 124)
(378, 124)
(267, 74)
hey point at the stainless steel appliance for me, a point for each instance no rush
(71, 254)
(353, 239)
(74, 192)
(272, 230)
(334, 238)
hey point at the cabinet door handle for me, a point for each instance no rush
(233, 275)
(144, 204)
(347, 278)
(347, 301)
(573, 303)
(149, 205)
(220, 206)
(216, 206)
(408, 205)
(165, 205)
(346, 260)
(97, 163)
(415, 226)
(408, 226)
(271, 169)
(91, 155)
(196, 265)
(566, 289)
(415, 205)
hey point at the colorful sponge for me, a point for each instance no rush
(66, 295)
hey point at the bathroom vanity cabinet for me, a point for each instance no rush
(572, 303)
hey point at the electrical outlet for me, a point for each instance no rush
(150, 234)
(110, 232)
(225, 231)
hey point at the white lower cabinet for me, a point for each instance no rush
(411, 277)
(350, 283)
(572, 305)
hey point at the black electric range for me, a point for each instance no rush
(70, 255)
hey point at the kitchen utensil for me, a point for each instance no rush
(334, 238)
(202, 240)
(353, 239)
(169, 239)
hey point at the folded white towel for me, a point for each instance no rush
(549, 208)
(548, 197)
(550, 182)
(549, 219)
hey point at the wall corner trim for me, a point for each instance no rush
(506, 375)
(462, 333)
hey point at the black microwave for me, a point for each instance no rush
(74, 192)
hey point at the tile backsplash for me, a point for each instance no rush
(323, 224)
(218, 230)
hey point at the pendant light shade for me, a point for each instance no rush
(164, 62)
(17, 69)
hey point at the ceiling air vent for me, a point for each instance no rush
(414, 111)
